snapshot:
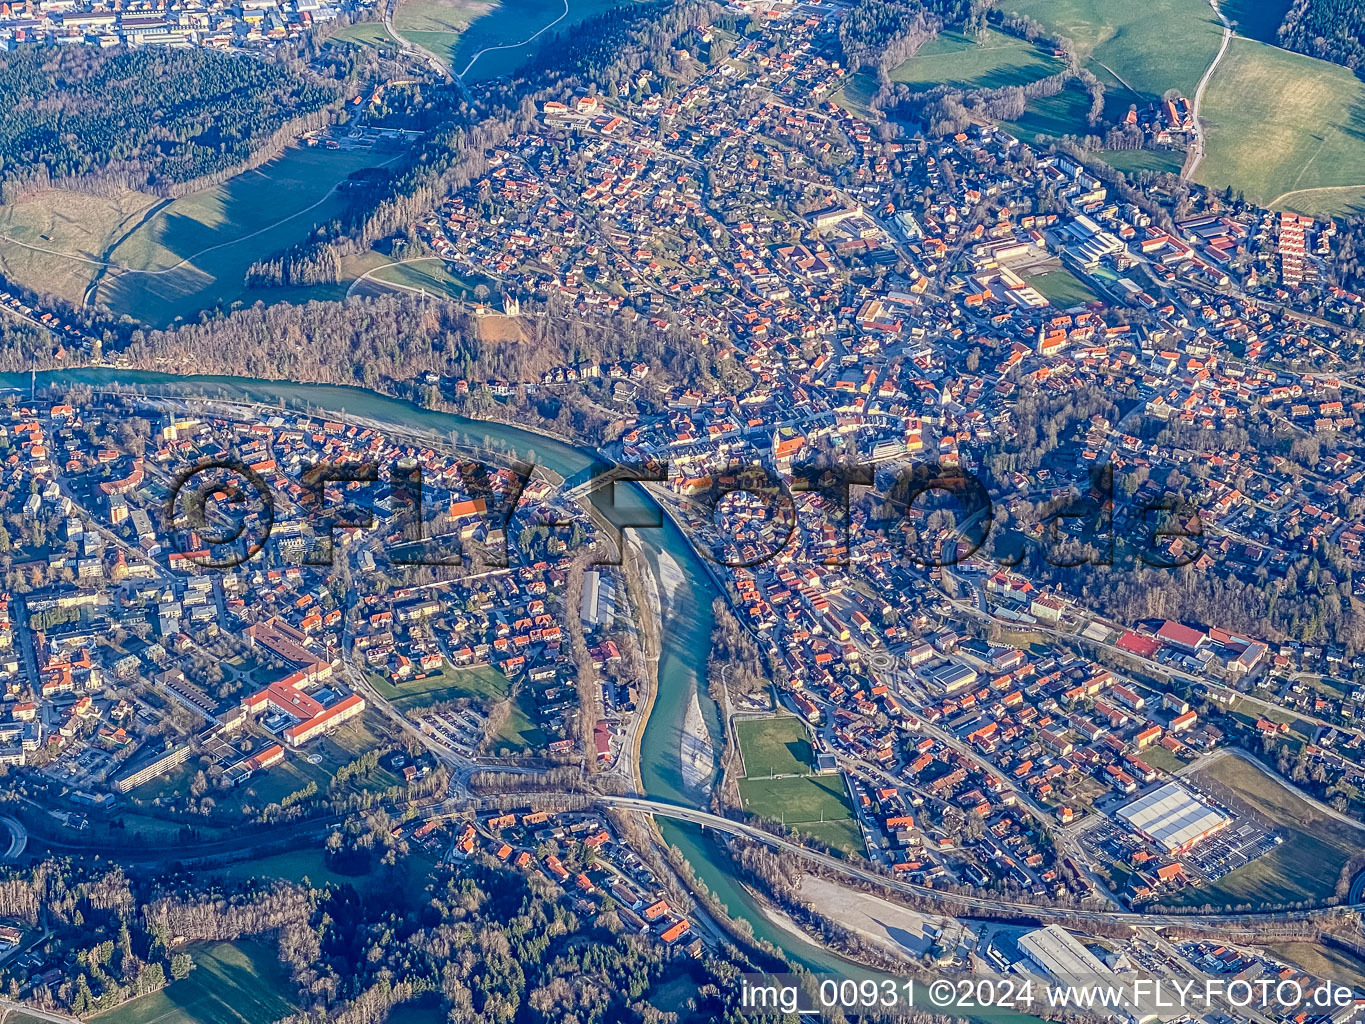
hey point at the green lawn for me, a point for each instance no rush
(365, 33)
(1063, 289)
(816, 805)
(1281, 123)
(1063, 114)
(1159, 757)
(220, 231)
(294, 866)
(855, 94)
(1131, 161)
(457, 30)
(426, 1010)
(775, 746)
(520, 731)
(994, 61)
(482, 683)
(232, 983)
(435, 276)
(1304, 867)
(1152, 47)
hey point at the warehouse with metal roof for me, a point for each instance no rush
(1173, 818)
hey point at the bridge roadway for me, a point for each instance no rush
(989, 907)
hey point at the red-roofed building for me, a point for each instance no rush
(1136, 643)
(1184, 637)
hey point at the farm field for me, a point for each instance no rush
(232, 983)
(1067, 113)
(993, 62)
(815, 805)
(1305, 866)
(1149, 48)
(181, 255)
(479, 39)
(1063, 114)
(1280, 123)
(775, 746)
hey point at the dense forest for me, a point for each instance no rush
(1328, 29)
(885, 33)
(151, 119)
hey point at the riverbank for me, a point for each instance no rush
(687, 584)
(696, 752)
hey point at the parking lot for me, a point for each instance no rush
(1236, 846)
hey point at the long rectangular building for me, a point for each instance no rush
(1173, 818)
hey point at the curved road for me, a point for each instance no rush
(512, 46)
(18, 839)
(1196, 154)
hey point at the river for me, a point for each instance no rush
(687, 625)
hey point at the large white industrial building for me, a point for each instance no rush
(1173, 818)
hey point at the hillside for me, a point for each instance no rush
(1282, 126)
(146, 119)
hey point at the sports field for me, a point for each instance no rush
(816, 805)
(1147, 47)
(480, 39)
(1305, 866)
(775, 746)
(157, 259)
(1286, 129)
(993, 61)
(1063, 289)
(232, 983)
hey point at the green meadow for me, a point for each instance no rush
(174, 258)
(232, 983)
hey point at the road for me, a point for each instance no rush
(1306, 797)
(1196, 153)
(18, 839)
(512, 46)
(7, 1007)
(987, 907)
(422, 53)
